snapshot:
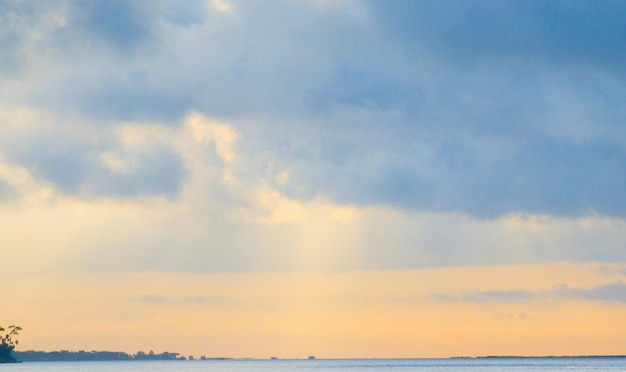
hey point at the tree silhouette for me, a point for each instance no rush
(8, 342)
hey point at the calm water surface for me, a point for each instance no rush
(343, 365)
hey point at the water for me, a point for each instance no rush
(340, 365)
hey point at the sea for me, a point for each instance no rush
(605, 364)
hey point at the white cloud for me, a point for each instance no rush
(205, 130)
(221, 5)
(22, 187)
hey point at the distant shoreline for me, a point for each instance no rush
(537, 357)
(102, 356)
(86, 356)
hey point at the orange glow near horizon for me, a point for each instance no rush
(292, 315)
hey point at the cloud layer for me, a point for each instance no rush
(610, 292)
(314, 135)
(482, 109)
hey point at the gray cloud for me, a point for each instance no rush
(488, 296)
(198, 299)
(153, 299)
(611, 272)
(610, 292)
(57, 158)
(559, 32)
(73, 163)
(159, 171)
(121, 101)
(5, 190)
(121, 24)
(485, 109)
(186, 13)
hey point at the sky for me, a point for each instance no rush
(338, 178)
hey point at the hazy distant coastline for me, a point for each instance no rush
(68, 356)
(65, 356)
(538, 356)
